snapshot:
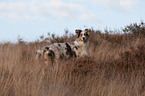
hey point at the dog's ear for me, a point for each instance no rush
(78, 32)
(88, 31)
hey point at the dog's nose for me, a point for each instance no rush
(83, 38)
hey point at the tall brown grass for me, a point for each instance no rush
(115, 67)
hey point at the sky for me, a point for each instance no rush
(30, 19)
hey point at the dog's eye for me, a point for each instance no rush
(81, 35)
(85, 34)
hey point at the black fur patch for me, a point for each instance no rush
(87, 34)
(74, 54)
(78, 32)
(44, 51)
(51, 54)
(76, 47)
(47, 48)
(69, 51)
(59, 44)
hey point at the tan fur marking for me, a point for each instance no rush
(47, 61)
(79, 54)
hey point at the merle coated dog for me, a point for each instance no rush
(56, 51)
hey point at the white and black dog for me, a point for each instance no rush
(56, 51)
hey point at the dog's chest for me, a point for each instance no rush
(82, 48)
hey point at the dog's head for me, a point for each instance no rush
(83, 35)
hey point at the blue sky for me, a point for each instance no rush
(32, 18)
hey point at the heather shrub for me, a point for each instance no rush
(132, 60)
(137, 30)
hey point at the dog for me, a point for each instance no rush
(57, 51)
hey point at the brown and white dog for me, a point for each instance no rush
(56, 51)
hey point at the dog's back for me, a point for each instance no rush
(58, 51)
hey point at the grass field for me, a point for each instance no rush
(115, 67)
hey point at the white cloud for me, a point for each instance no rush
(90, 17)
(127, 4)
(114, 4)
(11, 10)
(34, 9)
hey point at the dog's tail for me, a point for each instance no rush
(38, 53)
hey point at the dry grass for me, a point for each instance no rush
(115, 67)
